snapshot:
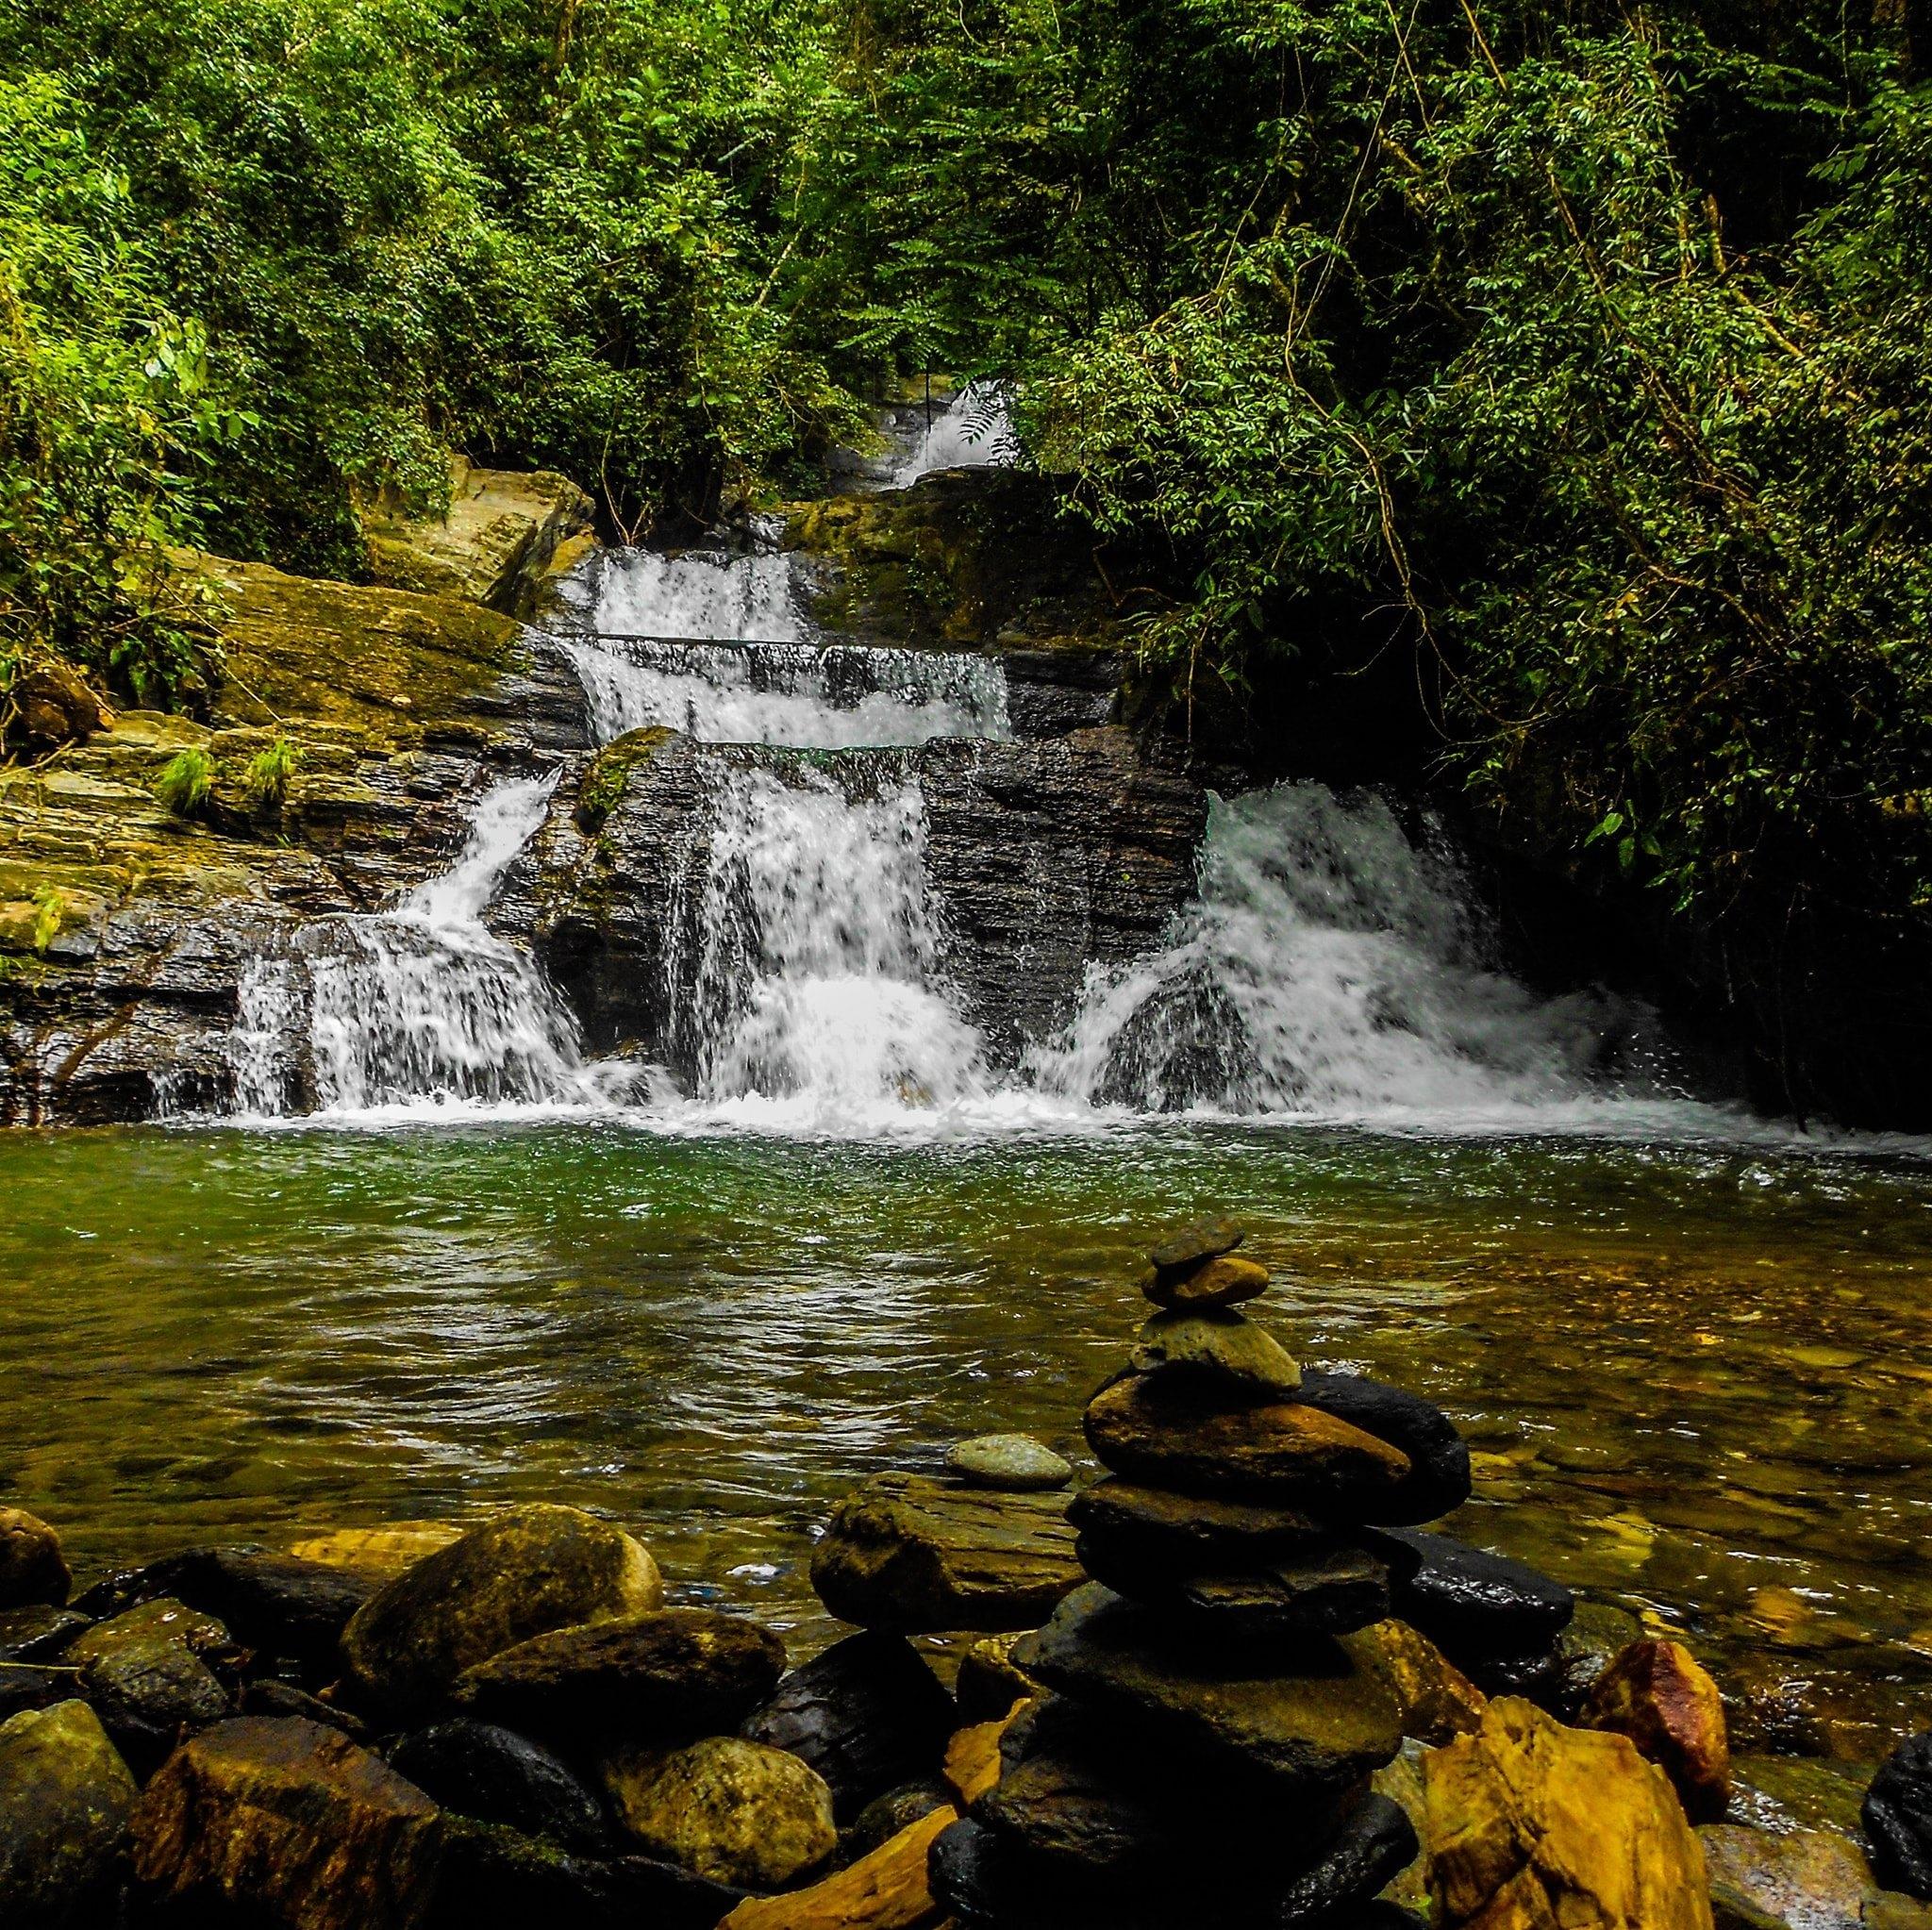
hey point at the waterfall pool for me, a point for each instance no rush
(1696, 1376)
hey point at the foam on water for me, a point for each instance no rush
(971, 431)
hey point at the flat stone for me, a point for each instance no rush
(1221, 1283)
(38, 1632)
(1810, 1880)
(1474, 1603)
(1375, 1845)
(666, 1676)
(888, 1888)
(385, 1551)
(867, 1714)
(1321, 1728)
(489, 1772)
(909, 1553)
(522, 1573)
(1438, 1481)
(1221, 1343)
(1324, 1590)
(1657, 1693)
(726, 1809)
(1192, 1533)
(277, 1605)
(164, 1620)
(65, 1800)
(1897, 1816)
(32, 1569)
(1012, 1461)
(1192, 1245)
(289, 1821)
(1168, 1430)
(1531, 1823)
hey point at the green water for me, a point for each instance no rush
(1698, 1380)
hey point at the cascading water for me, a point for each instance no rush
(1333, 968)
(418, 1004)
(973, 430)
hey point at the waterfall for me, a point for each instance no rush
(973, 430)
(421, 1004)
(694, 594)
(1332, 967)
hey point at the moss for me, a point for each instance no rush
(604, 783)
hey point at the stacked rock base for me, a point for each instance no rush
(1215, 1711)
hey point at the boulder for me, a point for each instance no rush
(33, 1686)
(1375, 1844)
(522, 1573)
(1223, 1282)
(38, 1632)
(885, 1816)
(887, 1889)
(277, 1605)
(1437, 1701)
(1169, 1430)
(909, 1553)
(65, 1801)
(152, 1694)
(1320, 1728)
(265, 1696)
(1221, 1344)
(32, 1569)
(292, 1824)
(988, 1683)
(51, 705)
(866, 1714)
(726, 1809)
(1475, 1605)
(1126, 1521)
(1439, 1477)
(668, 1675)
(1533, 1824)
(163, 1619)
(1324, 1591)
(1655, 1693)
(481, 1770)
(1016, 1462)
(1897, 1816)
(1807, 1880)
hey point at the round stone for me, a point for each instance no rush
(1013, 1462)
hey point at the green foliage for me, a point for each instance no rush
(265, 778)
(50, 909)
(185, 783)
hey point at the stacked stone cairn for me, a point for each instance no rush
(1215, 1709)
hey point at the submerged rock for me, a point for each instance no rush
(32, 1568)
(291, 1823)
(667, 1675)
(909, 1553)
(1806, 1880)
(726, 1809)
(1655, 1693)
(489, 1772)
(65, 1800)
(866, 1714)
(523, 1573)
(1013, 1462)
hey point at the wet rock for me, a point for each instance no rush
(1375, 1845)
(1591, 1640)
(1889, 1911)
(1655, 1693)
(164, 1620)
(866, 1714)
(1126, 1521)
(1400, 1782)
(151, 1695)
(1436, 1699)
(1218, 1283)
(65, 1800)
(909, 1553)
(1321, 1728)
(885, 1816)
(276, 1605)
(988, 1684)
(489, 1772)
(36, 1633)
(1531, 1823)
(1475, 1605)
(1439, 1477)
(1897, 1816)
(974, 1759)
(1188, 1248)
(1219, 1343)
(1013, 1462)
(1324, 1590)
(726, 1809)
(268, 1697)
(34, 1685)
(1168, 1430)
(887, 1890)
(668, 1675)
(291, 1823)
(1811, 1880)
(522, 1573)
(32, 1569)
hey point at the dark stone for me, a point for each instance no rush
(1187, 1247)
(1154, 1528)
(1438, 1481)
(1597, 1635)
(1473, 1605)
(868, 1715)
(35, 1686)
(1375, 1844)
(151, 1696)
(276, 1605)
(36, 1633)
(885, 1816)
(269, 1697)
(1320, 1591)
(65, 1800)
(483, 1771)
(1536, 1676)
(665, 1676)
(32, 1568)
(1311, 1712)
(1897, 1817)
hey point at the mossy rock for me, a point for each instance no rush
(608, 778)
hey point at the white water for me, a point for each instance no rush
(697, 593)
(971, 431)
(421, 1004)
